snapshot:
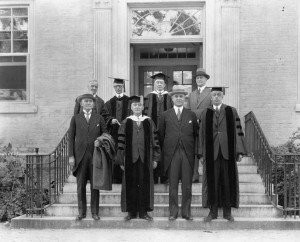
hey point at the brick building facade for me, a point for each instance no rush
(249, 45)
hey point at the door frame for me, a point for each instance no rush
(136, 62)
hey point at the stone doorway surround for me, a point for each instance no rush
(113, 55)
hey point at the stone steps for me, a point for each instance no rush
(162, 210)
(243, 177)
(161, 198)
(245, 187)
(240, 223)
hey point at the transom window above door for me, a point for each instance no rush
(157, 23)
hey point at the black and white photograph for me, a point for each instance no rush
(149, 120)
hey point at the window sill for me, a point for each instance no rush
(297, 107)
(18, 108)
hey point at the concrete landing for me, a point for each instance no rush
(49, 222)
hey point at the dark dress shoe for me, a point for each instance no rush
(95, 217)
(188, 218)
(129, 217)
(209, 218)
(172, 218)
(229, 218)
(80, 217)
(146, 217)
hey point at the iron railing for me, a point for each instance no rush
(45, 176)
(280, 172)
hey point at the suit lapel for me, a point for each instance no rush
(202, 96)
(92, 119)
(83, 121)
(183, 117)
(174, 116)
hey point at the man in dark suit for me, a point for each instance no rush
(178, 131)
(156, 103)
(199, 100)
(99, 106)
(119, 109)
(84, 129)
(221, 144)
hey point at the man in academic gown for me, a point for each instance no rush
(119, 109)
(85, 128)
(99, 106)
(156, 103)
(138, 154)
(221, 144)
(178, 131)
(199, 100)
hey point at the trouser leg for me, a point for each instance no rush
(174, 175)
(94, 193)
(196, 175)
(186, 185)
(224, 193)
(214, 206)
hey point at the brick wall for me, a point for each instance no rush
(268, 65)
(63, 63)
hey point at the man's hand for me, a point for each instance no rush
(154, 164)
(122, 167)
(97, 143)
(115, 121)
(71, 161)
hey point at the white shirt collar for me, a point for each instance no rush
(219, 106)
(139, 118)
(176, 108)
(119, 95)
(201, 88)
(87, 113)
(162, 93)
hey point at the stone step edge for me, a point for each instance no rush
(107, 193)
(52, 222)
(161, 205)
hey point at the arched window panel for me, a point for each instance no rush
(158, 23)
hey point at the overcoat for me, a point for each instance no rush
(103, 159)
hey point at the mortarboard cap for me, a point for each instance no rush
(159, 75)
(218, 88)
(136, 99)
(118, 81)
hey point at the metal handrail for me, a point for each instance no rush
(45, 177)
(280, 172)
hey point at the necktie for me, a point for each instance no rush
(87, 117)
(178, 114)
